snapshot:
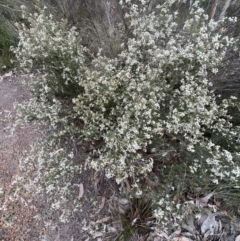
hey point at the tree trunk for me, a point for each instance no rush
(150, 5)
(190, 4)
(214, 7)
(224, 9)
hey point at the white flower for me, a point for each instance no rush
(190, 148)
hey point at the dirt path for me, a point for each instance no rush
(21, 214)
(12, 147)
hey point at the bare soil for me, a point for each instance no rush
(12, 148)
(13, 145)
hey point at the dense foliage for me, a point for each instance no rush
(155, 94)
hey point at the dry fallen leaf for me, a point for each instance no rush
(102, 203)
(8, 74)
(103, 220)
(85, 166)
(204, 200)
(123, 201)
(237, 238)
(97, 234)
(210, 223)
(164, 235)
(176, 199)
(24, 201)
(217, 203)
(97, 180)
(175, 234)
(182, 239)
(81, 191)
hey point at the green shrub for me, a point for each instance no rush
(157, 86)
(48, 47)
(155, 91)
(52, 59)
(6, 40)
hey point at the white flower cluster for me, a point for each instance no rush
(168, 213)
(50, 173)
(158, 84)
(52, 60)
(54, 51)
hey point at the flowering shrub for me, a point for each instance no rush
(54, 51)
(157, 86)
(52, 61)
